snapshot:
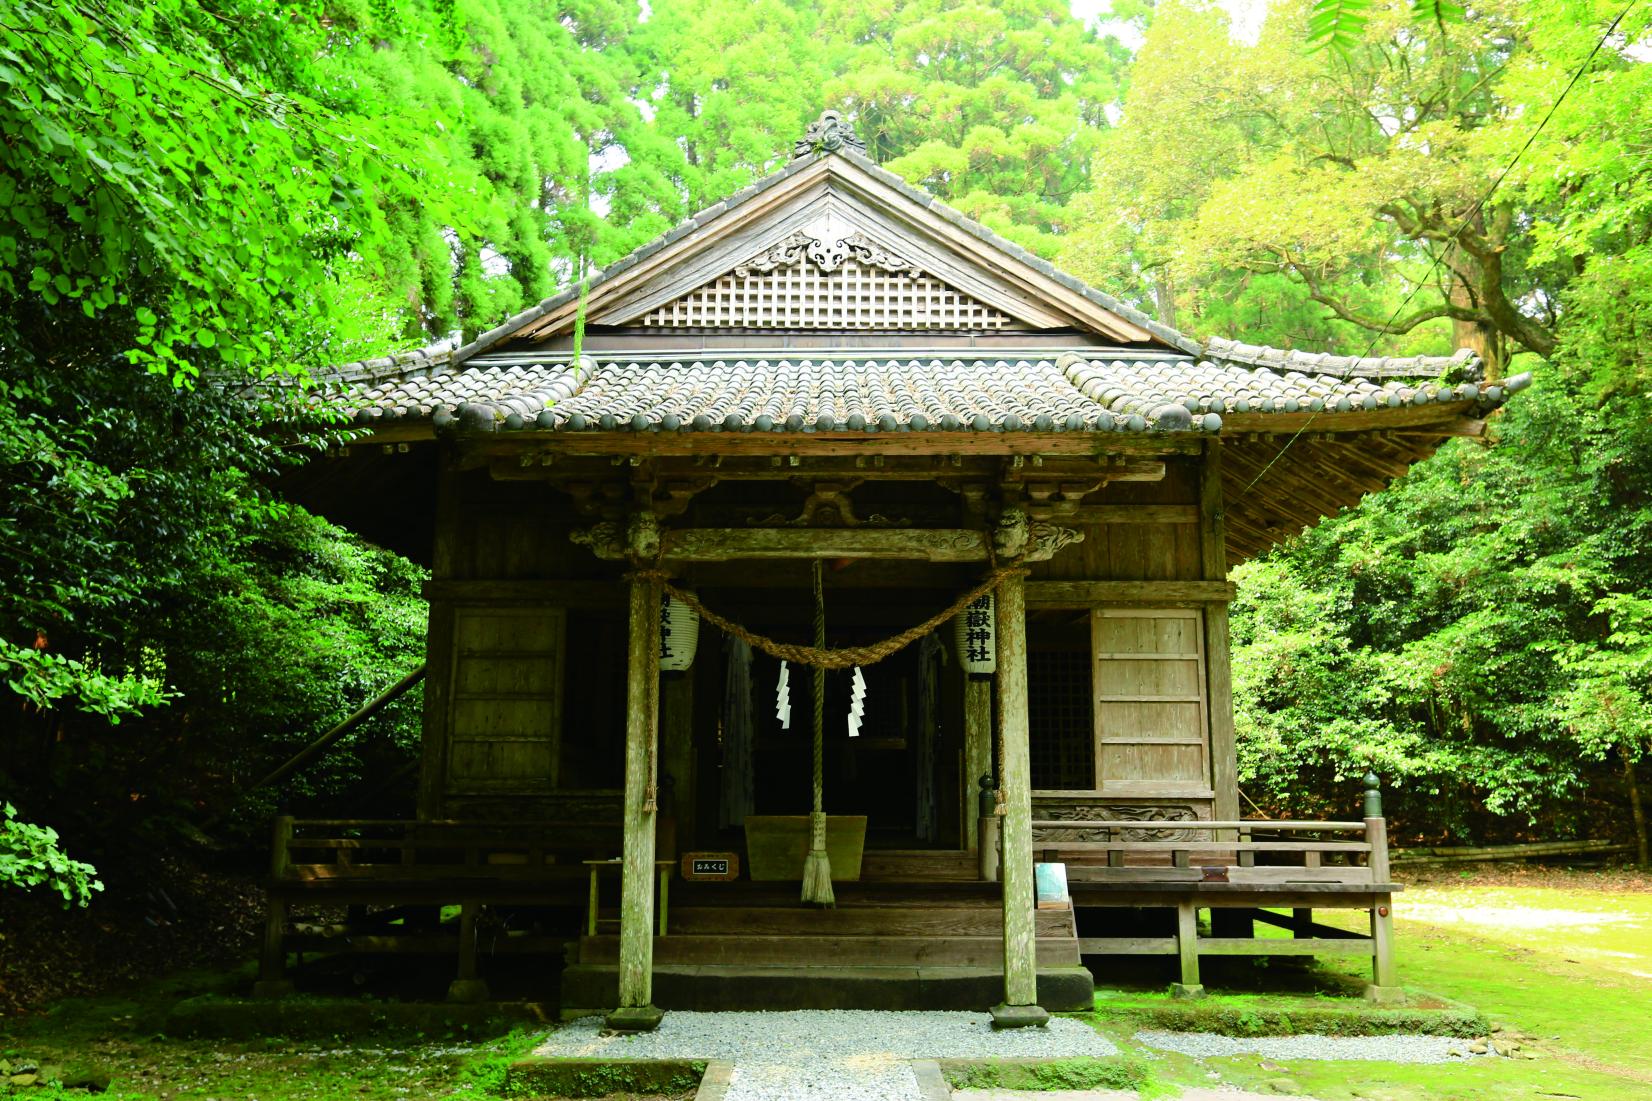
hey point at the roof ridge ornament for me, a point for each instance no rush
(829, 133)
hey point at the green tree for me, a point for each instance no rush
(1360, 174)
(197, 197)
(998, 109)
(1481, 634)
(994, 108)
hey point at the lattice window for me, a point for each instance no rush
(850, 296)
(1061, 720)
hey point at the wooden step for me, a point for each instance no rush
(911, 921)
(919, 865)
(831, 951)
(859, 893)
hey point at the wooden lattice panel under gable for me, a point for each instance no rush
(852, 295)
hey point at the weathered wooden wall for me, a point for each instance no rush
(518, 614)
(527, 640)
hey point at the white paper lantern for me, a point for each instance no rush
(679, 634)
(976, 636)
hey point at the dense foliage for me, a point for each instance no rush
(1479, 633)
(1480, 638)
(197, 195)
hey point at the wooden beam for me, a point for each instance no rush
(563, 594)
(1362, 420)
(1278, 946)
(1084, 594)
(923, 544)
(1020, 932)
(1130, 514)
(870, 444)
(722, 544)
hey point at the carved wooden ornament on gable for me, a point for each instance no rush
(821, 279)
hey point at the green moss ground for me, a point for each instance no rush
(390, 1059)
(1566, 970)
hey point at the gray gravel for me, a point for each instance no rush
(1387, 1049)
(836, 1054)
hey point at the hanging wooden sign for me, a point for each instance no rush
(711, 867)
(976, 637)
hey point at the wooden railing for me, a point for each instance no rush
(1231, 846)
(1240, 870)
(351, 850)
(365, 862)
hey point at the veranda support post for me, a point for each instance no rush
(272, 964)
(636, 1011)
(1020, 1006)
(1385, 984)
(977, 748)
(468, 986)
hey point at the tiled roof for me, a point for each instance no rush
(1079, 391)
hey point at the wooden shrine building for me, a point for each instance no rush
(833, 366)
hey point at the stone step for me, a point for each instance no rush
(831, 951)
(594, 988)
(983, 920)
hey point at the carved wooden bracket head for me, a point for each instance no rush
(1017, 536)
(607, 540)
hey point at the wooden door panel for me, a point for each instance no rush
(1151, 710)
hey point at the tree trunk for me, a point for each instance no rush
(1164, 299)
(1637, 811)
(1481, 337)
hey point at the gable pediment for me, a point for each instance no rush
(832, 241)
(829, 272)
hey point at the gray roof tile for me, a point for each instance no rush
(1086, 390)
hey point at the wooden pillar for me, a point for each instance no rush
(677, 758)
(977, 752)
(1224, 764)
(1385, 984)
(468, 987)
(439, 641)
(987, 856)
(642, 700)
(1187, 951)
(1016, 873)
(272, 964)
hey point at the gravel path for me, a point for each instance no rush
(829, 1055)
(1387, 1049)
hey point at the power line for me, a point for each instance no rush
(1473, 212)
